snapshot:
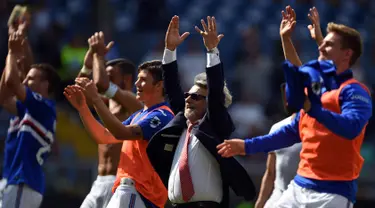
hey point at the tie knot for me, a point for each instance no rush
(190, 127)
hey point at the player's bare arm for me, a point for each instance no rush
(21, 24)
(96, 131)
(99, 48)
(268, 180)
(125, 98)
(86, 70)
(118, 130)
(314, 27)
(12, 79)
(287, 26)
(25, 59)
(7, 98)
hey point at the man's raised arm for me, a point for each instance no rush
(314, 27)
(287, 26)
(171, 79)
(12, 79)
(217, 101)
(125, 98)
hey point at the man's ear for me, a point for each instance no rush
(128, 78)
(45, 85)
(348, 54)
(160, 85)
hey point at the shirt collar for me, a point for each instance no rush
(154, 107)
(344, 76)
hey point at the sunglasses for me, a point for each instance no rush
(194, 96)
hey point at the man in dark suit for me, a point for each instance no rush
(184, 152)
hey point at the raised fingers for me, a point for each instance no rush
(209, 23)
(198, 30)
(68, 90)
(284, 15)
(213, 23)
(205, 28)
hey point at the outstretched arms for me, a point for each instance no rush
(287, 26)
(96, 131)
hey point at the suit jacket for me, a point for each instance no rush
(215, 126)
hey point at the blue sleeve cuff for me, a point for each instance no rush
(248, 149)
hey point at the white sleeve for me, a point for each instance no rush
(169, 56)
(213, 58)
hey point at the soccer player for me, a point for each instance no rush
(32, 133)
(114, 79)
(137, 184)
(282, 164)
(24, 62)
(331, 130)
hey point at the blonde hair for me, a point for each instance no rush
(350, 39)
(201, 81)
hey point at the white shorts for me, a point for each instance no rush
(275, 196)
(297, 197)
(126, 196)
(3, 184)
(100, 193)
(21, 196)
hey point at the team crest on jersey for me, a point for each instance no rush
(37, 96)
(316, 87)
(155, 122)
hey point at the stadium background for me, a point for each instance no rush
(251, 52)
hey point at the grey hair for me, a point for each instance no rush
(201, 81)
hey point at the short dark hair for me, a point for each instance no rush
(48, 73)
(350, 39)
(155, 68)
(126, 66)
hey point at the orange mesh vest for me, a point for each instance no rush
(134, 164)
(325, 155)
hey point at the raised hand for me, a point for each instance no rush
(75, 97)
(172, 37)
(89, 56)
(210, 37)
(21, 23)
(314, 27)
(24, 23)
(97, 44)
(288, 22)
(88, 88)
(230, 148)
(15, 43)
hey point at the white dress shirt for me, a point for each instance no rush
(204, 169)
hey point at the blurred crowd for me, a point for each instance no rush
(251, 52)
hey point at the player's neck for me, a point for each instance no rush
(152, 102)
(44, 94)
(342, 68)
